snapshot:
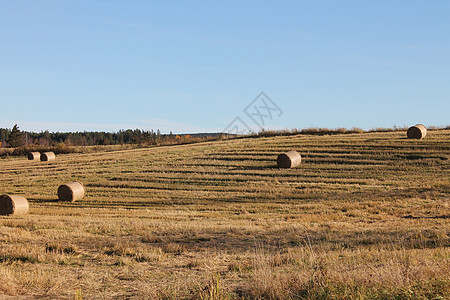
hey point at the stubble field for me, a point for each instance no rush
(365, 216)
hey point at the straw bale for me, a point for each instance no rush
(13, 205)
(47, 156)
(71, 191)
(418, 131)
(34, 156)
(290, 159)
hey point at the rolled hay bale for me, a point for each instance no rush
(13, 205)
(290, 159)
(34, 156)
(47, 156)
(418, 131)
(71, 191)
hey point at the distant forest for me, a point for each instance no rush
(13, 138)
(64, 142)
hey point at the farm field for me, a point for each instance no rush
(365, 216)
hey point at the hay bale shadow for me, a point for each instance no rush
(426, 217)
(268, 167)
(40, 200)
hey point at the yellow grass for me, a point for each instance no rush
(365, 216)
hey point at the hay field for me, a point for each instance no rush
(365, 216)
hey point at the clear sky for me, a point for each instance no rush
(194, 66)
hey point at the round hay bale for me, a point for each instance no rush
(13, 205)
(47, 156)
(34, 156)
(418, 131)
(71, 192)
(290, 159)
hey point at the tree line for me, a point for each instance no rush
(13, 138)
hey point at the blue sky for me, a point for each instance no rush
(194, 66)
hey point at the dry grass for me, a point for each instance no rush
(365, 216)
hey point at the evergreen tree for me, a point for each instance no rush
(4, 134)
(15, 138)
